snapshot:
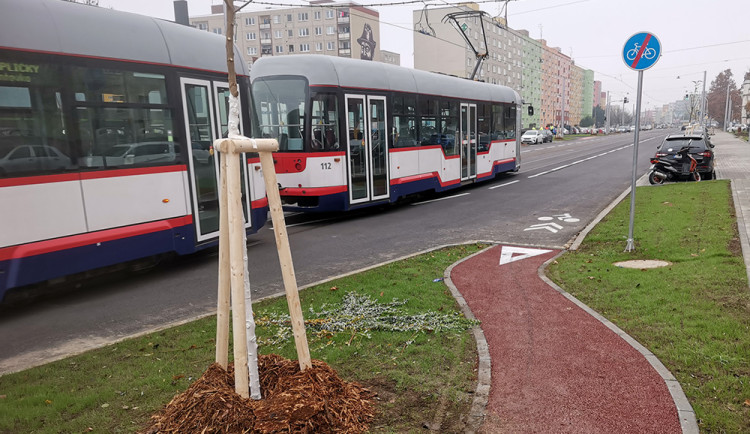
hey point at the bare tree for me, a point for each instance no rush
(724, 87)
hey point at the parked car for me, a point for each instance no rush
(547, 136)
(33, 158)
(532, 137)
(142, 153)
(700, 149)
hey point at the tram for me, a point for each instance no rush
(355, 133)
(107, 121)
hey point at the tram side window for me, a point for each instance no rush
(279, 107)
(123, 119)
(498, 123)
(449, 130)
(404, 122)
(510, 121)
(33, 134)
(428, 118)
(484, 114)
(324, 117)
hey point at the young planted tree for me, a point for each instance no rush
(233, 275)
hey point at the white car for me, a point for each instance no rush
(532, 137)
(33, 158)
(142, 153)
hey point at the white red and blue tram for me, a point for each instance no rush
(356, 133)
(106, 125)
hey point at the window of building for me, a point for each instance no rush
(304, 32)
(290, 33)
(330, 30)
(331, 46)
(318, 46)
(217, 30)
(302, 16)
(304, 48)
(277, 19)
(317, 15)
(251, 51)
(291, 48)
(277, 34)
(329, 14)
(202, 26)
(250, 36)
(280, 49)
(250, 21)
(318, 31)
(289, 18)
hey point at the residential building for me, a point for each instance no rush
(543, 76)
(321, 27)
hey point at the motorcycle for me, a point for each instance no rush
(672, 167)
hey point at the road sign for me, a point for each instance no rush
(641, 51)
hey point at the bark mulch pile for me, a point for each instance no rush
(315, 400)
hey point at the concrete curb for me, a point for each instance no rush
(484, 371)
(685, 412)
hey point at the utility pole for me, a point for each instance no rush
(606, 116)
(562, 110)
(726, 110)
(703, 103)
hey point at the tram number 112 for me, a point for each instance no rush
(325, 166)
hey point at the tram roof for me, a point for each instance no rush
(70, 28)
(323, 70)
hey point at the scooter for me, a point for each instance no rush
(681, 165)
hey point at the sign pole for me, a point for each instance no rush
(641, 51)
(631, 243)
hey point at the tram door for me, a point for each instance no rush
(468, 141)
(367, 148)
(205, 108)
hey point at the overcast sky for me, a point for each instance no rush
(695, 36)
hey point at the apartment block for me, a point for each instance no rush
(558, 89)
(322, 27)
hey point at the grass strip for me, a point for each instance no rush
(694, 314)
(417, 373)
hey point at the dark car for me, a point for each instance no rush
(547, 136)
(699, 148)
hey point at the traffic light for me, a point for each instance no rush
(625, 101)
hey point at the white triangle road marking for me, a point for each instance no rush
(507, 252)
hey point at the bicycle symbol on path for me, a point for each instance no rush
(551, 225)
(649, 53)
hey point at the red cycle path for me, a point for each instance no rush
(555, 368)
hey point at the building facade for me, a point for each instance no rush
(543, 76)
(323, 27)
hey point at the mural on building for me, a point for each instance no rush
(367, 43)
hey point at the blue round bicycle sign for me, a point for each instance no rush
(641, 51)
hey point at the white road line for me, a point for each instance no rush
(304, 223)
(502, 185)
(584, 160)
(440, 198)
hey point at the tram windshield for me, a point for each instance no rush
(279, 110)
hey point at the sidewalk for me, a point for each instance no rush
(548, 363)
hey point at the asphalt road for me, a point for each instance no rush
(560, 188)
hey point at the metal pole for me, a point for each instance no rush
(726, 110)
(631, 243)
(606, 116)
(703, 103)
